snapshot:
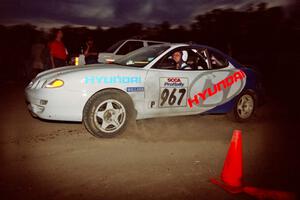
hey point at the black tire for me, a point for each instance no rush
(236, 113)
(118, 101)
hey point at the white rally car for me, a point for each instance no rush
(145, 84)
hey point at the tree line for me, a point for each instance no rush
(259, 36)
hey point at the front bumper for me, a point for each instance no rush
(56, 104)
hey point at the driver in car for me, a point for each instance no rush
(180, 58)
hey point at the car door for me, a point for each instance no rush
(170, 92)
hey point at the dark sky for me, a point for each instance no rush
(107, 13)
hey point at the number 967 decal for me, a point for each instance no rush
(173, 92)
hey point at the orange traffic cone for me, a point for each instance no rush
(262, 194)
(231, 177)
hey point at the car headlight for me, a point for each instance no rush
(55, 83)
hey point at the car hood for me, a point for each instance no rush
(86, 68)
(57, 70)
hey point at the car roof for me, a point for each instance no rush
(145, 40)
(195, 46)
(175, 45)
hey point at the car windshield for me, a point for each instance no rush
(141, 57)
(114, 47)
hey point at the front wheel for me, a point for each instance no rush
(244, 107)
(107, 114)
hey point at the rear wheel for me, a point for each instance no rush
(244, 107)
(107, 113)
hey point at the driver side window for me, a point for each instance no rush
(183, 59)
(172, 60)
(166, 62)
(197, 59)
(217, 60)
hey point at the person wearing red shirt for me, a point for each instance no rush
(58, 52)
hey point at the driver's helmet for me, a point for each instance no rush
(184, 56)
(184, 59)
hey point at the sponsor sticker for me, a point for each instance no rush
(235, 81)
(112, 79)
(135, 89)
(173, 82)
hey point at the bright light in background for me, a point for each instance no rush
(76, 61)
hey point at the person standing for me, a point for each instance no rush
(37, 64)
(58, 52)
(90, 52)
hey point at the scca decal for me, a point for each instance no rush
(176, 82)
(220, 86)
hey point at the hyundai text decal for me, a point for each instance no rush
(224, 89)
(112, 79)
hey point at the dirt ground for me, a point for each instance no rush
(166, 158)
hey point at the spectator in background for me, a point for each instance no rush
(58, 52)
(35, 63)
(90, 52)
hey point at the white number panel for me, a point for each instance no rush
(173, 92)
